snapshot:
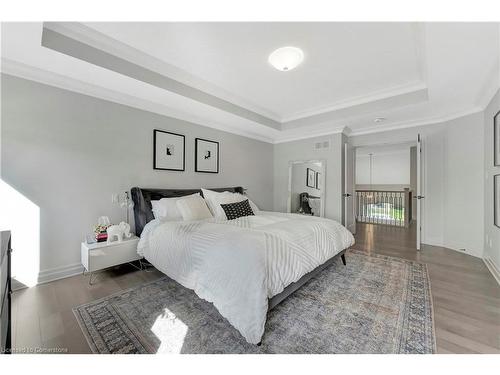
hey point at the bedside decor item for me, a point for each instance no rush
(310, 178)
(100, 230)
(125, 202)
(168, 151)
(119, 232)
(103, 220)
(496, 139)
(206, 156)
(496, 200)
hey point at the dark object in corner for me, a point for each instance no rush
(343, 259)
(5, 294)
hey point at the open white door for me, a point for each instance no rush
(419, 196)
(349, 184)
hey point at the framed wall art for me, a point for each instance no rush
(496, 200)
(206, 156)
(318, 180)
(168, 151)
(310, 178)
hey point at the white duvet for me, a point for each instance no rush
(239, 264)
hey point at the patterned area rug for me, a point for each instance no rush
(375, 304)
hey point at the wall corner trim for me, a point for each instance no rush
(52, 274)
(492, 268)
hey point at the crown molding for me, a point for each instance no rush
(419, 86)
(31, 73)
(87, 44)
(83, 49)
(96, 39)
(24, 71)
(310, 134)
(356, 102)
(416, 123)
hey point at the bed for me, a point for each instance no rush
(246, 266)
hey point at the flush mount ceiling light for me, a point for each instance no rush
(286, 58)
(379, 119)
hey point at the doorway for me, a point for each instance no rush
(385, 191)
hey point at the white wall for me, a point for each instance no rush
(388, 168)
(492, 233)
(67, 154)
(452, 180)
(464, 184)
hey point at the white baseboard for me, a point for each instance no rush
(433, 242)
(59, 273)
(52, 274)
(493, 269)
(439, 243)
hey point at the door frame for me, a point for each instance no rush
(349, 200)
(423, 176)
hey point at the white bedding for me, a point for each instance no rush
(238, 264)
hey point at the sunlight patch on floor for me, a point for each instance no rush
(170, 331)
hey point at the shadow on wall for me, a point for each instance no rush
(22, 217)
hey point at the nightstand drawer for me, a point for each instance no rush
(100, 256)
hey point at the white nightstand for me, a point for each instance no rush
(101, 255)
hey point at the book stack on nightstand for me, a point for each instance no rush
(100, 233)
(101, 255)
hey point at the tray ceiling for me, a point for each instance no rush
(217, 74)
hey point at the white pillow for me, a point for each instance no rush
(215, 199)
(193, 208)
(253, 206)
(166, 208)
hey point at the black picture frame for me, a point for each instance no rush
(496, 200)
(156, 148)
(197, 154)
(496, 139)
(311, 174)
(318, 175)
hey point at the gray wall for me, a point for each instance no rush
(68, 153)
(305, 150)
(492, 233)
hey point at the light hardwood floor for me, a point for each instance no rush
(466, 297)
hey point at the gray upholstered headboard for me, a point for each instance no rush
(142, 198)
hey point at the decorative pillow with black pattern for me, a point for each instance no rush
(238, 209)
